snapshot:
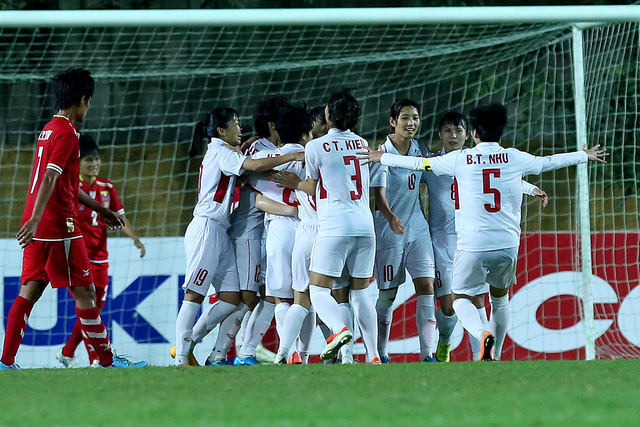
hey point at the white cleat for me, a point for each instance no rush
(264, 355)
(68, 362)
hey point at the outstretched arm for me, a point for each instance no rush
(267, 205)
(383, 205)
(394, 160)
(291, 180)
(261, 165)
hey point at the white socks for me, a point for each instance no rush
(446, 325)
(306, 332)
(384, 318)
(326, 308)
(262, 316)
(475, 343)
(500, 318)
(227, 334)
(346, 351)
(216, 314)
(365, 312)
(184, 330)
(469, 317)
(280, 312)
(426, 323)
(290, 328)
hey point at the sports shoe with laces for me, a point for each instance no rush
(192, 359)
(486, 346)
(443, 352)
(264, 355)
(221, 362)
(246, 361)
(123, 362)
(68, 362)
(295, 359)
(13, 366)
(334, 342)
(430, 359)
(375, 361)
(385, 359)
(280, 359)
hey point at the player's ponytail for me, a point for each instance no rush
(344, 110)
(208, 128)
(396, 109)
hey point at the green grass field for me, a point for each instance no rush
(506, 393)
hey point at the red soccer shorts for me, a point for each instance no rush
(63, 263)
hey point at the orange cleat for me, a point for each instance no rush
(376, 361)
(295, 359)
(486, 346)
(334, 342)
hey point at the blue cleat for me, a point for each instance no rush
(220, 362)
(430, 359)
(123, 362)
(385, 359)
(246, 361)
(230, 361)
(13, 366)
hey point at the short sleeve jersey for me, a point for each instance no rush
(57, 149)
(269, 188)
(218, 172)
(247, 222)
(342, 194)
(403, 196)
(489, 191)
(442, 205)
(94, 230)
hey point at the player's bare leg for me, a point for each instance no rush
(500, 317)
(329, 312)
(19, 313)
(446, 319)
(425, 316)
(365, 313)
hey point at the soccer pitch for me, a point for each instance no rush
(505, 393)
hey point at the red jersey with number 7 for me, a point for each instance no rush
(57, 149)
(94, 230)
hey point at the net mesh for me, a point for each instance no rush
(153, 84)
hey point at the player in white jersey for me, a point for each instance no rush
(453, 131)
(403, 241)
(345, 224)
(489, 199)
(209, 252)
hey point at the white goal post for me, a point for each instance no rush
(497, 33)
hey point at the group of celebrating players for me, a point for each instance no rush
(296, 197)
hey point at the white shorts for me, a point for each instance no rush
(301, 257)
(416, 257)
(211, 259)
(444, 248)
(342, 281)
(280, 240)
(473, 270)
(332, 253)
(249, 262)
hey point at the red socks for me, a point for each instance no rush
(16, 327)
(95, 333)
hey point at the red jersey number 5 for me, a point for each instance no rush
(487, 189)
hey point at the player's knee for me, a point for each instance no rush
(85, 296)
(424, 285)
(32, 291)
(498, 292)
(230, 297)
(251, 299)
(388, 295)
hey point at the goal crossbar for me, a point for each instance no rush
(316, 17)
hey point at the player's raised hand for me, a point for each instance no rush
(112, 219)
(542, 196)
(285, 179)
(594, 154)
(369, 156)
(26, 232)
(396, 225)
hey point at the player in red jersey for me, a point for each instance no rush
(54, 251)
(94, 232)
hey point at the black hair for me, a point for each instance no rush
(71, 85)
(454, 118)
(88, 146)
(318, 114)
(208, 128)
(293, 123)
(397, 107)
(489, 121)
(344, 109)
(267, 111)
